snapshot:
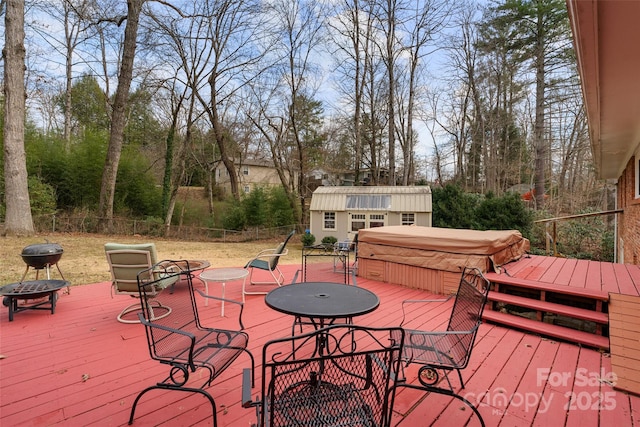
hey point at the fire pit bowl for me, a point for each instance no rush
(41, 255)
(31, 290)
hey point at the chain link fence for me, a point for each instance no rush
(154, 228)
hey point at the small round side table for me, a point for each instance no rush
(224, 275)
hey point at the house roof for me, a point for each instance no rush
(266, 163)
(606, 35)
(403, 199)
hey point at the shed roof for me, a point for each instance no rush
(403, 199)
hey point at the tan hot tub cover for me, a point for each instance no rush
(442, 248)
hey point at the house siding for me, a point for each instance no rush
(260, 174)
(629, 220)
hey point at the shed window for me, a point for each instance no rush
(380, 202)
(408, 218)
(358, 221)
(376, 220)
(329, 221)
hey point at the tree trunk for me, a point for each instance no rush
(68, 84)
(539, 142)
(18, 220)
(391, 36)
(228, 159)
(118, 118)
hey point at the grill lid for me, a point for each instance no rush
(41, 255)
(42, 249)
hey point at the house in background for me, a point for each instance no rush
(251, 174)
(320, 177)
(606, 37)
(342, 211)
(326, 177)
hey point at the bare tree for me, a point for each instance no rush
(18, 220)
(287, 110)
(390, 54)
(183, 50)
(73, 17)
(352, 37)
(570, 146)
(218, 51)
(422, 27)
(118, 118)
(233, 54)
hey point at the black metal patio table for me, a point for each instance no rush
(322, 301)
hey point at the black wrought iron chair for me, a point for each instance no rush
(440, 352)
(319, 379)
(180, 340)
(267, 260)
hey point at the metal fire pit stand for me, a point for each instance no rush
(34, 289)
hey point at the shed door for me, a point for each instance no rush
(366, 220)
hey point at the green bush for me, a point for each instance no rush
(76, 174)
(586, 238)
(507, 212)
(255, 207)
(307, 239)
(267, 207)
(42, 197)
(453, 208)
(329, 241)
(136, 188)
(234, 218)
(280, 212)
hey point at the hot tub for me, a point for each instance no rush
(432, 258)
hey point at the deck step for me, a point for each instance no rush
(555, 331)
(544, 306)
(593, 294)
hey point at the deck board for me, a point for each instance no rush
(596, 277)
(634, 274)
(542, 267)
(551, 275)
(81, 367)
(530, 387)
(566, 271)
(579, 277)
(623, 279)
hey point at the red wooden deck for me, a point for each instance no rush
(81, 367)
(579, 274)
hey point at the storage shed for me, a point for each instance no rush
(342, 211)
